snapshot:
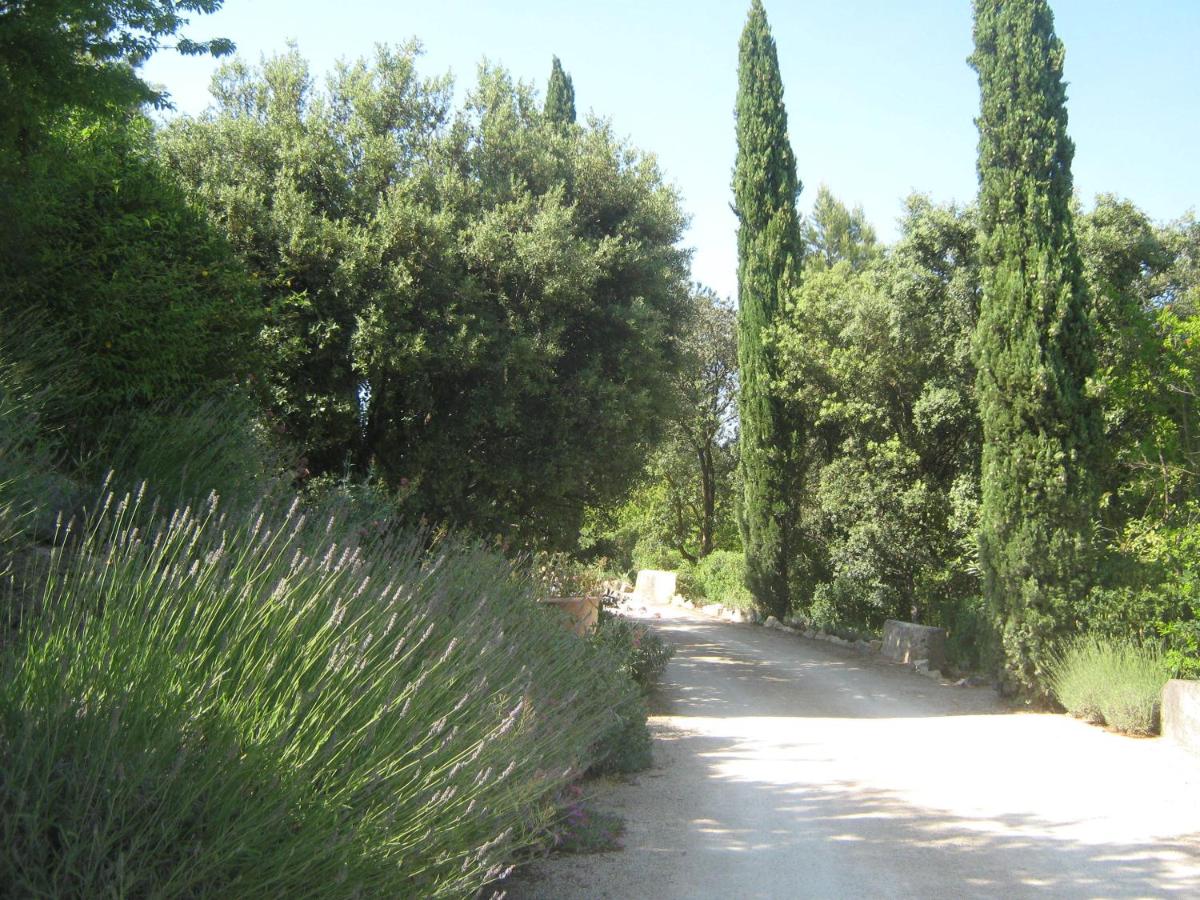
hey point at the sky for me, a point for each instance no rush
(880, 99)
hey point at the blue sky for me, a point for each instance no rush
(880, 99)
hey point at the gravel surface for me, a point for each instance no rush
(787, 767)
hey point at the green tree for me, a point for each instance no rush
(765, 188)
(560, 96)
(144, 303)
(1034, 343)
(308, 186)
(685, 497)
(478, 307)
(878, 358)
(834, 233)
(84, 54)
(708, 393)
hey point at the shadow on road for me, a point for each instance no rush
(828, 682)
(844, 839)
(791, 768)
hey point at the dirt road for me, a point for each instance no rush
(792, 768)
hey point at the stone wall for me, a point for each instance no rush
(907, 643)
(654, 586)
(1181, 713)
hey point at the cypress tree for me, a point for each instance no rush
(765, 188)
(560, 96)
(1033, 344)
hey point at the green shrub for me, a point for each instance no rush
(189, 450)
(145, 298)
(219, 706)
(688, 582)
(638, 651)
(649, 553)
(723, 576)
(1109, 681)
(626, 747)
(31, 490)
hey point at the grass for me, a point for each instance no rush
(1112, 682)
(254, 706)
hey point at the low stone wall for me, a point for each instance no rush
(907, 643)
(654, 586)
(1181, 713)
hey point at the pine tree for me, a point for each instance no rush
(560, 96)
(765, 188)
(1033, 344)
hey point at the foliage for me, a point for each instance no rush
(583, 828)
(560, 96)
(189, 451)
(558, 575)
(834, 234)
(1145, 284)
(642, 654)
(84, 54)
(649, 553)
(31, 490)
(478, 306)
(719, 577)
(1113, 682)
(703, 430)
(682, 507)
(259, 704)
(770, 249)
(140, 303)
(627, 747)
(878, 357)
(1034, 344)
(586, 829)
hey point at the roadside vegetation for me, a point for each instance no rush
(1111, 682)
(308, 400)
(891, 471)
(262, 628)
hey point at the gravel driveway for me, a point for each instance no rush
(786, 767)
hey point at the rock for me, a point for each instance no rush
(654, 586)
(875, 645)
(863, 646)
(810, 634)
(787, 629)
(906, 642)
(923, 667)
(1181, 713)
(772, 622)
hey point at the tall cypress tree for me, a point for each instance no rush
(765, 188)
(560, 96)
(1034, 345)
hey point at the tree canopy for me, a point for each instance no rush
(474, 305)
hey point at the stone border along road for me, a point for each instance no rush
(787, 767)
